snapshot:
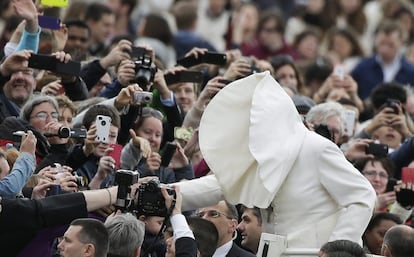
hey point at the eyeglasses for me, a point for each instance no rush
(45, 115)
(212, 214)
(373, 174)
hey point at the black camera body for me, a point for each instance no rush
(124, 179)
(151, 202)
(65, 132)
(144, 70)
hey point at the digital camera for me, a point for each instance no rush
(151, 202)
(144, 70)
(124, 179)
(142, 97)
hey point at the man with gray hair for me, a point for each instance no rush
(330, 115)
(398, 242)
(126, 234)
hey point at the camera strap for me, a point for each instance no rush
(162, 229)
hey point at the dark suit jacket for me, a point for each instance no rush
(21, 219)
(368, 74)
(185, 247)
(236, 251)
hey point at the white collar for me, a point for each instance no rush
(223, 250)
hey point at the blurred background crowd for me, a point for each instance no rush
(347, 64)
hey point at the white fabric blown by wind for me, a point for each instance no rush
(250, 137)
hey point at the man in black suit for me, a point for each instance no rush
(224, 217)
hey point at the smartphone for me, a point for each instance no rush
(167, 153)
(378, 150)
(349, 119)
(49, 22)
(407, 175)
(184, 76)
(393, 104)
(116, 154)
(103, 124)
(49, 62)
(209, 57)
(339, 71)
(225, 81)
(53, 190)
(390, 185)
(55, 3)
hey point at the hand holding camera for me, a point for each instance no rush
(126, 72)
(127, 96)
(174, 200)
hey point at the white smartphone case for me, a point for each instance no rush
(103, 124)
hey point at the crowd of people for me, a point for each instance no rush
(288, 117)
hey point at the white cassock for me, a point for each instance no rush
(254, 141)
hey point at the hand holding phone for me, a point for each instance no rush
(49, 22)
(208, 57)
(50, 63)
(407, 175)
(378, 150)
(116, 154)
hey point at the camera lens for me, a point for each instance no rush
(103, 123)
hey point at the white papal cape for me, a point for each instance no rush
(254, 141)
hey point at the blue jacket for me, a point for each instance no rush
(13, 183)
(368, 74)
